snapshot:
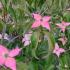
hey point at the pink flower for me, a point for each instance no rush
(26, 40)
(41, 21)
(63, 40)
(6, 36)
(58, 50)
(63, 25)
(7, 57)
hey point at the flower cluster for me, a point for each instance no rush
(41, 24)
(44, 22)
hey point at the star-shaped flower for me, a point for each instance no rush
(63, 25)
(27, 39)
(58, 50)
(63, 40)
(41, 21)
(7, 57)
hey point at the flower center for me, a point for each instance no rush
(57, 49)
(41, 19)
(5, 55)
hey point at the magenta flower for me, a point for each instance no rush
(63, 40)
(7, 57)
(26, 40)
(58, 50)
(41, 21)
(63, 25)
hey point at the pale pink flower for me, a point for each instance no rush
(57, 50)
(26, 40)
(6, 36)
(41, 21)
(0, 36)
(63, 40)
(7, 57)
(63, 25)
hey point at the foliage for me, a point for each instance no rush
(38, 55)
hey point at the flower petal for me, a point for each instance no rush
(63, 40)
(23, 40)
(26, 43)
(46, 25)
(36, 24)
(37, 16)
(6, 36)
(3, 50)
(65, 23)
(2, 60)
(56, 48)
(0, 36)
(61, 50)
(59, 25)
(62, 27)
(10, 63)
(58, 53)
(27, 36)
(14, 52)
(46, 18)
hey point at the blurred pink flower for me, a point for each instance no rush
(63, 25)
(41, 21)
(63, 40)
(7, 57)
(6, 37)
(26, 40)
(58, 50)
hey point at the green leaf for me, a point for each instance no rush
(34, 40)
(22, 66)
(12, 13)
(51, 40)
